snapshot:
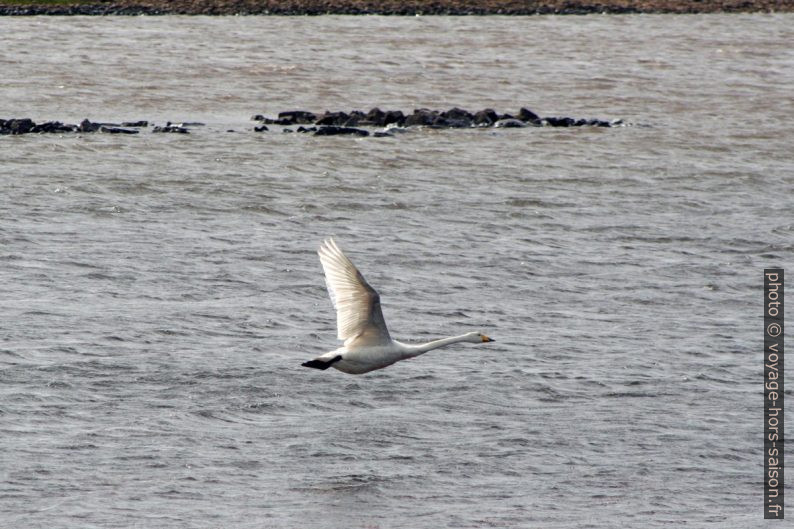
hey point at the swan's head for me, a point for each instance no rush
(478, 337)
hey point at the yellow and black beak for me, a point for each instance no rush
(486, 339)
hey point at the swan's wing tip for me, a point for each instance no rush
(328, 245)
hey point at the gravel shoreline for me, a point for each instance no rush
(392, 7)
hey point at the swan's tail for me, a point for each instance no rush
(319, 363)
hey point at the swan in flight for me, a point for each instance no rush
(360, 324)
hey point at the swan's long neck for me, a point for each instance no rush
(416, 350)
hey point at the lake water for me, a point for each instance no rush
(159, 292)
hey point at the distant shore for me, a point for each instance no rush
(384, 7)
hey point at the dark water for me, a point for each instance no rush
(160, 291)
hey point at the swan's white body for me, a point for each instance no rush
(368, 345)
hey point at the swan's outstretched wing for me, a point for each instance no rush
(358, 315)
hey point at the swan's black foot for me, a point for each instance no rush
(322, 364)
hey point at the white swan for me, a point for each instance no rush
(360, 324)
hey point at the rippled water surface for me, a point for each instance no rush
(159, 292)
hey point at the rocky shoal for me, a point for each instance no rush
(17, 126)
(375, 122)
(454, 118)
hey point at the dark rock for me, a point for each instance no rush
(376, 117)
(263, 128)
(116, 130)
(307, 129)
(330, 130)
(485, 117)
(297, 117)
(455, 118)
(421, 117)
(394, 116)
(332, 118)
(458, 115)
(19, 126)
(47, 126)
(287, 130)
(439, 122)
(135, 124)
(385, 134)
(559, 122)
(527, 115)
(87, 126)
(356, 118)
(53, 127)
